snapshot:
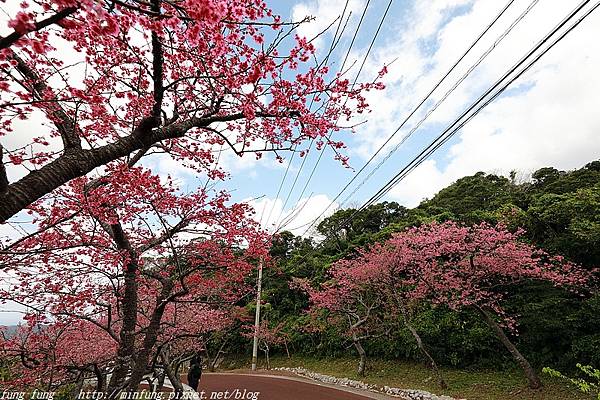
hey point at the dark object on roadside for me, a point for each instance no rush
(195, 372)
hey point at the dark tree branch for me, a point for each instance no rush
(79, 162)
(157, 66)
(65, 125)
(167, 235)
(6, 42)
(54, 224)
(129, 304)
(3, 177)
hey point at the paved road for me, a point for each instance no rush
(242, 386)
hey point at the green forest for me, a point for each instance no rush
(559, 212)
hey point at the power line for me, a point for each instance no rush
(424, 99)
(326, 60)
(370, 48)
(444, 97)
(482, 102)
(499, 87)
(358, 26)
(260, 268)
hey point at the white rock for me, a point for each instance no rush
(407, 394)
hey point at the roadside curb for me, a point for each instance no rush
(406, 394)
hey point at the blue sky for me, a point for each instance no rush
(546, 118)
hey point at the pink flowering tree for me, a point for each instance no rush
(189, 327)
(470, 268)
(53, 354)
(268, 337)
(85, 83)
(350, 303)
(140, 262)
(464, 268)
(386, 269)
(95, 92)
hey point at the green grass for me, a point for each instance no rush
(472, 385)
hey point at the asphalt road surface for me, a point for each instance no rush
(260, 387)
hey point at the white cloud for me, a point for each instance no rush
(550, 119)
(411, 74)
(324, 12)
(296, 219)
(424, 182)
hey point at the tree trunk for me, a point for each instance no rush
(178, 367)
(362, 363)
(74, 392)
(173, 376)
(420, 345)
(163, 356)
(287, 350)
(161, 380)
(143, 356)
(267, 358)
(532, 378)
(430, 360)
(211, 361)
(100, 379)
(127, 334)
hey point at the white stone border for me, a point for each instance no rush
(406, 394)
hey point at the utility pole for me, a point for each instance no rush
(257, 316)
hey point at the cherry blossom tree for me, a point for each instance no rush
(386, 270)
(136, 261)
(351, 304)
(53, 354)
(471, 267)
(189, 327)
(50, 354)
(461, 267)
(158, 76)
(268, 337)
